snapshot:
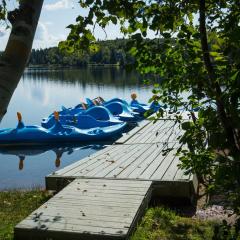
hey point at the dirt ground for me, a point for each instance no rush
(205, 207)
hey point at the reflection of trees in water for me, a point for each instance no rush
(85, 76)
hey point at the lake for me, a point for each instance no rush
(42, 91)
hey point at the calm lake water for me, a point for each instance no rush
(39, 93)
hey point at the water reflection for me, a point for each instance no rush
(20, 165)
(86, 76)
(22, 153)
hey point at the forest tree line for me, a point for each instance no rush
(110, 52)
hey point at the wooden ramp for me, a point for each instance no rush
(89, 209)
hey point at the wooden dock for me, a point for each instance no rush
(138, 155)
(112, 187)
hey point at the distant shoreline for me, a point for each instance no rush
(92, 65)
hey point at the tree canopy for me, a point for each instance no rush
(197, 55)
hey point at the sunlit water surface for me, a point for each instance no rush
(38, 94)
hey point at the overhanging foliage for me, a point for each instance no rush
(197, 53)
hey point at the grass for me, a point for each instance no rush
(163, 224)
(158, 224)
(15, 206)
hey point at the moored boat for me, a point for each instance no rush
(135, 107)
(93, 117)
(120, 109)
(35, 135)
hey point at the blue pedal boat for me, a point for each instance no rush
(94, 117)
(35, 135)
(135, 107)
(140, 107)
(118, 109)
(122, 112)
(101, 101)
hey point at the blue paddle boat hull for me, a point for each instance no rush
(35, 135)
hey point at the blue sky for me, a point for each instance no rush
(55, 16)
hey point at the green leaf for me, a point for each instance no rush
(235, 76)
(186, 125)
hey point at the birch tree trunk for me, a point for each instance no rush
(24, 22)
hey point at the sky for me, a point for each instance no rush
(56, 15)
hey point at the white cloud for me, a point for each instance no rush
(42, 32)
(61, 4)
(44, 39)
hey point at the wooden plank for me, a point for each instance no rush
(97, 210)
(134, 131)
(142, 137)
(109, 193)
(145, 163)
(167, 134)
(113, 169)
(162, 168)
(133, 166)
(107, 206)
(172, 116)
(113, 150)
(68, 222)
(96, 160)
(83, 161)
(105, 211)
(126, 151)
(58, 182)
(77, 213)
(96, 183)
(92, 188)
(98, 197)
(140, 132)
(65, 227)
(181, 176)
(154, 163)
(145, 131)
(118, 166)
(107, 182)
(171, 170)
(162, 131)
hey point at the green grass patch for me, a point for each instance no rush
(158, 223)
(163, 224)
(15, 206)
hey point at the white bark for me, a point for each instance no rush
(15, 57)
